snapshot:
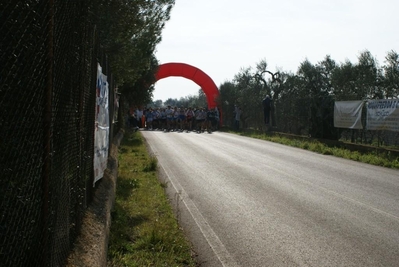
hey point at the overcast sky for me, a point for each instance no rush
(221, 37)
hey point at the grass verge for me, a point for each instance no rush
(144, 230)
(374, 158)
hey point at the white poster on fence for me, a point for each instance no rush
(348, 114)
(101, 135)
(383, 114)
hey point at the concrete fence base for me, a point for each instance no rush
(90, 248)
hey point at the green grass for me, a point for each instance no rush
(379, 159)
(144, 230)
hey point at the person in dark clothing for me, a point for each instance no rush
(210, 120)
(237, 112)
(132, 120)
(266, 103)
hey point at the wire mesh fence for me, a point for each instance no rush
(313, 117)
(49, 55)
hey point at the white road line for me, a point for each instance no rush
(213, 240)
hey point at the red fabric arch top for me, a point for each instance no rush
(192, 73)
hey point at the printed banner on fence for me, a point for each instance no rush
(101, 135)
(348, 114)
(383, 114)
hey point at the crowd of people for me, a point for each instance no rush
(181, 119)
(177, 119)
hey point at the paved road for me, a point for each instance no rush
(247, 202)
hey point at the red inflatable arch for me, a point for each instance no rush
(192, 73)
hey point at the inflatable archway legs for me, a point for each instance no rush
(192, 73)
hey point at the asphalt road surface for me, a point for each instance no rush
(247, 202)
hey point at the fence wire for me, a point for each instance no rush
(49, 57)
(313, 117)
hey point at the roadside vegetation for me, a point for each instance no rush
(144, 230)
(385, 159)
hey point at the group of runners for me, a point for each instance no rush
(178, 119)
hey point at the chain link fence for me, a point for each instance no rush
(313, 117)
(49, 55)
